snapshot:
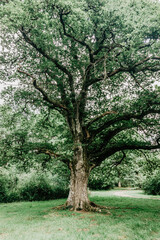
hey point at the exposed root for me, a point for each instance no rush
(97, 206)
(87, 207)
(62, 207)
(93, 207)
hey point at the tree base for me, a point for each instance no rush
(87, 207)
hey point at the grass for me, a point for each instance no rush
(124, 192)
(129, 219)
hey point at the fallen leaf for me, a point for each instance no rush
(60, 229)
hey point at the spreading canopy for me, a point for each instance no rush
(96, 62)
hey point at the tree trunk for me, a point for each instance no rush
(80, 169)
(119, 184)
(78, 195)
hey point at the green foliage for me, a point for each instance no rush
(129, 172)
(31, 186)
(26, 136)
(152, 184)
(100, 179)
(8, 182)
(100, 183)
(40, 189)
(3, 189)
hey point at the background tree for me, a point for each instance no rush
(128, 170)
(95, 62)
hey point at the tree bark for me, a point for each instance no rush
(78, 195)
(119, 184)
(80, 169)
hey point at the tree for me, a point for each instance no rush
(130, 170)
(95, 62)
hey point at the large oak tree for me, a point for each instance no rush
(96, 62)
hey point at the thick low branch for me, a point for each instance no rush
(124, 117)
(99, 117)
(107, 137)
(52, 154)
(47, 152)
(101, 156)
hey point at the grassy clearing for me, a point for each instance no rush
(124, 192)
(129, 218)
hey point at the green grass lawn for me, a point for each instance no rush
(128, 218)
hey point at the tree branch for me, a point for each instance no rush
(126, 69)
(124, 117)
(101, 156)
(47, 152)
(54, 104)
(83, 43)
(115, 164)
(107, 137)
(99, 117)
(52, 154)
(55, 61)
(61, 87)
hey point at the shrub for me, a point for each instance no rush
(39, 189)
(98, 181)
(13, 196)
(152, 184)
(3, 189)
(31, 186)
(8, 184)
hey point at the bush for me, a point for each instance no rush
(13, 196)
(31, 186)
(152, 184)
(39, 189)
(7, 186)
(98, 184)
(99, 181)
(3, 189)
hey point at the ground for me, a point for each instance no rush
(125, 192)
(128, 218)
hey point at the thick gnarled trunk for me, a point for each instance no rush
(80, 169)
(78, 195)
